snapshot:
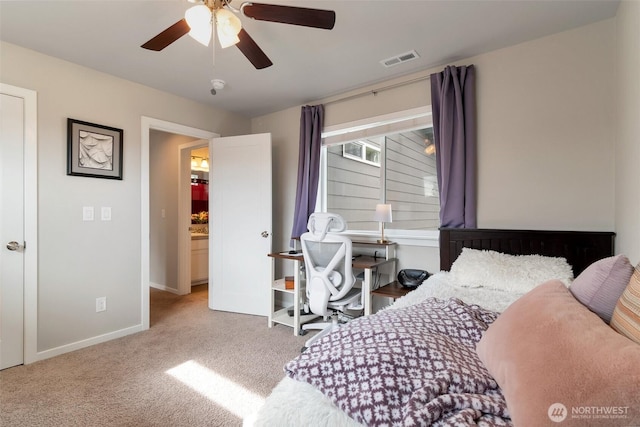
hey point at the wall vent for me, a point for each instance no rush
(399, 59)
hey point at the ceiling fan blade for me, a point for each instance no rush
(168, 36)
(316, 18)
(252, 51)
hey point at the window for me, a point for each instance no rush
(362, 151)
(393, 167)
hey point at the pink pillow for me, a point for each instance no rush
(553, 358)
(600, 285)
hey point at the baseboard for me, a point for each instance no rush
(163, 288)
(41, 355)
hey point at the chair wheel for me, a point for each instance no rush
(302, 332)
(303, 349)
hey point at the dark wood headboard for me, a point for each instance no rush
(579, 248)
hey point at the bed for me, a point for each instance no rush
(514, 330)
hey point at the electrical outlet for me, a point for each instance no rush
(101, 304)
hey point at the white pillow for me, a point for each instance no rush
(511, 273)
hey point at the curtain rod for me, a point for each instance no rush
(374, 92)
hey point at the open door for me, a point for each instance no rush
(240, 224)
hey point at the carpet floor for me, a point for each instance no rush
(193, 367)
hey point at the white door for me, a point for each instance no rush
(11, 230)
(240, 224)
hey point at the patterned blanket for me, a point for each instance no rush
(407, 367)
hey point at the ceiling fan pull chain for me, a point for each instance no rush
(213, 56)
(213, 45)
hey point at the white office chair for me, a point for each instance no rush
(330, 279)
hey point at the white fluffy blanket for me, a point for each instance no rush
(441, 285)
(293, 404)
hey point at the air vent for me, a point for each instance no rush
(399, 59)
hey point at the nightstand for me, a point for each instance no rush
(393, 290)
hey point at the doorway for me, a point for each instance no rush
(183, 215)
(242, 218)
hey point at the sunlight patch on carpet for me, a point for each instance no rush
(226, 393)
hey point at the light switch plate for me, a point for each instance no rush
(105, 213)
(87, 213)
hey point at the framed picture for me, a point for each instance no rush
(93, 150)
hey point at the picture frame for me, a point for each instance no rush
(94, 150)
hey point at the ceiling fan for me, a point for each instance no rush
(200, 20)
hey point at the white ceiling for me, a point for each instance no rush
(309, 64)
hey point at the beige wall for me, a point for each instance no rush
(628, 130)
(80, 261)
(545, 135)
(546, 132)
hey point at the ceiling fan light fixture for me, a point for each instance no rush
(227, 40)
(199, 20)
(228, 26)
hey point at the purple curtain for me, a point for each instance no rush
(453, 102)
(311, 122)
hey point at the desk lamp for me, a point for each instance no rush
(382, 215)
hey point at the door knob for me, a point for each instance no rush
(265, 234)
(14, 246)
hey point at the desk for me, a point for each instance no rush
(393, 290)
(369, 264)
(383, 265)
(281, 315)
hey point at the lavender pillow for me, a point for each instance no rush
(599, 286)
